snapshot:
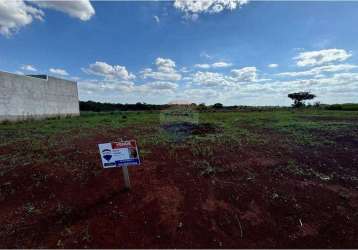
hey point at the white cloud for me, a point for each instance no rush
(202, 66)
(166, 71)
(162, 76)
(15, 15)
(165, 64)
(119, 87)
(214, 65)
(192, 8)
(201, 95)
(246, 74)
(157, 87)
(93, 86)
(242, 86)
(184, 70)
(156, 19)
(162, 85)
(28, 67)
(210, 79)
(221, 65)
(60, 72)
(81, 9)
(205, 55)
(272, 65)
(108, 71)
(213, 79)
(316, 58)
(317, 71)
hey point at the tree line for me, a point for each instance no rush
(298, 98)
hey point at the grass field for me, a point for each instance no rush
(278, 179)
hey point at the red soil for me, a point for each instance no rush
(251, 202)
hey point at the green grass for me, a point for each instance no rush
(38, 142)
(304, 127)
(84, 124)
(344, 107)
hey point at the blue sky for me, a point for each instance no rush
(245, 52)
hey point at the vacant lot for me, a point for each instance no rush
(235, 179)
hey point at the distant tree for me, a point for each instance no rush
(317, 104)
(218, 106)
(105, 107)
(202, 107)
(299, 98)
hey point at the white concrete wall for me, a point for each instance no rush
(23, 97)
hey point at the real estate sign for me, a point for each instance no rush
(119, 154)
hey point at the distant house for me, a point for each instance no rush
(36, 96)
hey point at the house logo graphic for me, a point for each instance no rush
(106, 153)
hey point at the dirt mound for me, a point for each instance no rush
(187, 128)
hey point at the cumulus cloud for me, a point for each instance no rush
(213, 79)
(165, 64)
(316, 58)
(210, 79)
(109, 71)
(118, 79)
(317, 71)
(157, 87)
(15, 14)
(81, 9)
(214, 65)
(60, 72)
(192, 8)
(162, 85)
(246, 74)
(126, 87)
(272, 65)
(201, 95)
(165, 71)
(28, 67)
(93, 86)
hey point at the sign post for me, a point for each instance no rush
(127, 183)
(120, 154)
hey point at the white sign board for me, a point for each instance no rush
(119, 154)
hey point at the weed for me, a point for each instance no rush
(206, 169)
(293, 168)
(31, 209)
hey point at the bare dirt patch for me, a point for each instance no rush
(186, 128)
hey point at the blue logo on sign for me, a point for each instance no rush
(106, 154)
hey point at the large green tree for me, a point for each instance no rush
(299, 98)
